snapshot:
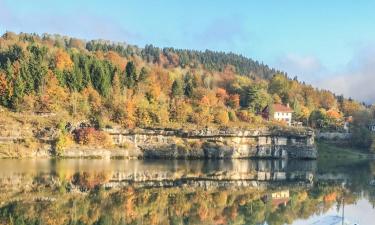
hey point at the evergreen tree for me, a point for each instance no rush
(130, 75)
(101, 80)
(190, 84)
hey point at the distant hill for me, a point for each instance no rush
(116, 83)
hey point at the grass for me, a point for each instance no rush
(328, 151)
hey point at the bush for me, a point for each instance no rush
(249, 117)
(91, 136)
(62, 141)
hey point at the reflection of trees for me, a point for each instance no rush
(180, 205)
(169, 206)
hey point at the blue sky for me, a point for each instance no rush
(322, 42)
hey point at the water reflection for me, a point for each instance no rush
(74, 191)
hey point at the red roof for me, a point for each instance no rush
(281, 108)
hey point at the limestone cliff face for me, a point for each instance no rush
(216, 144)
(181, 144)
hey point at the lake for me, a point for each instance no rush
(97, 191)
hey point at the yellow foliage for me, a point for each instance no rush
(222, 117)
(62, 60)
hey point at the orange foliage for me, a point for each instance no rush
(228, 74)
(334, 114)
(330, 197)
(63, 61)
(93, 98)
(234, 101)
(219, 220)
(91, 136)
(203, 212)
(116, 59)
(129, 205)
(205, 101)
(327, 99)
(130, 109)
(3, 84)
(90, 180)
(54, 95)
(222, 94)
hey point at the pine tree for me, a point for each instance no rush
(130, 75)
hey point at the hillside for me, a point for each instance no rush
(113, 84)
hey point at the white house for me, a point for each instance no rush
(280, 113)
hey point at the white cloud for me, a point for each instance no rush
(307, 68)
(357, 79)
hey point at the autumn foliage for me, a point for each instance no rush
(118, 84)
(91, 136)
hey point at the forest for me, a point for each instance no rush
(111, 84)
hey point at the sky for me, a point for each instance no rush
(330, 44)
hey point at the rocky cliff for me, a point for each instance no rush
(179, 144)
(215, 144)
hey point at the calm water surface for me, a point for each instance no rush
(92, 191)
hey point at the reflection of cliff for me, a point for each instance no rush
(156, 173)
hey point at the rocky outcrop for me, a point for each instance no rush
(176, 144)
(216, 144)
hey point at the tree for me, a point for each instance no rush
(361, 135)
(318, 118)
(327, 100)
(180, 111)
(62, 60)
(143, 74)
(221, 117)
(190, 84)
(222, 95)
(54, 97)
(177, 88)
(130, 75)
(279, 85)
(234, 101)
(257, 98)
(101, 78)
(350, 107)
(3, 89)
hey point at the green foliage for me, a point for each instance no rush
(177, 88)
(361, 135)
(143, 74)
(257, 98)
(130, 75)
(189, 85)
(279, 84)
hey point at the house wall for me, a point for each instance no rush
(283, 116)
(280, 194)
